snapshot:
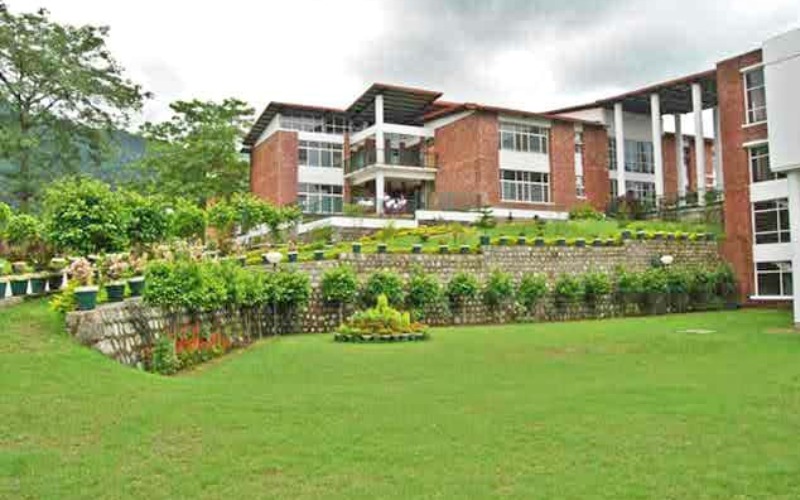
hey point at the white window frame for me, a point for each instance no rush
(327, 147)
(305, 192)
(780, 272)
(523, 183)
(751, 150)
(648, 194)
(749, 114)
(777, 229)
(580, 186)
(523, 137)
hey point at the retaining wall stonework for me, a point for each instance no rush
(124, 330)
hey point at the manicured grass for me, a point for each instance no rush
(606, 409)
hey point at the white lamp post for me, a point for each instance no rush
(667, 259)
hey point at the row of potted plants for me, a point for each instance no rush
(18, 278)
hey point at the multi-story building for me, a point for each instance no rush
(397, 150)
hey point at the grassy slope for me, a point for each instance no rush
(611, 409)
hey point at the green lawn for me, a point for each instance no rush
(607, 409)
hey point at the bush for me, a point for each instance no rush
(498, 289)
(424, 293)
(595, 285)
(340, 285)
(381, 320)
(186, 285)
(83, 215)
(383, 283)
(165, 361)
(568, 289)
(5, 216)
(726, 283)
(292, 290)
(186, 220)
(145, 220)
(532, 289)
(23, 230)
(584, 211)
(461, 288)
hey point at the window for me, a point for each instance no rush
(320, 198)
(774, 279)
(525, 138)
(771, 221)
(530, 187)
(613, 189)
(319, 124)
(578, 142)
(319, 154)
(638, 156)
(755, 96)
(645, 191)
(580, 190)
(759, 165)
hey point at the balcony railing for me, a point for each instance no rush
(400, 157)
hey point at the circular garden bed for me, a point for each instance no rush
(364, 338)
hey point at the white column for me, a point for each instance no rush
(699, 142)
(679, 164)
(658, 157)
(718, 175)
(379, 190)
(794, 221)
(619, 138)
(380, 153)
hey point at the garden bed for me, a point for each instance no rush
(379, 339)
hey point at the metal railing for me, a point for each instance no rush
(401, 157)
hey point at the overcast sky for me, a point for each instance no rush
(528, 54)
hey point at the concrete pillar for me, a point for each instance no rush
(379, 193)
(718, 175)
(679, 164)
(699, 142)
(619, 138)
(794, 221)
(380, 143)
(658, 157)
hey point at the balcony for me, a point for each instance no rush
(399, 157)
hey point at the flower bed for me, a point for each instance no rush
(381, 323)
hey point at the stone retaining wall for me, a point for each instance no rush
(121, 331)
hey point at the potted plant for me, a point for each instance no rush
(136, 270)
(292, 256)
(464, 249)
(319, 254)
(38, 283)
(5, 269)
(416, 248)
(82, 272)
(522, 240)
(580, 242)
(381, 247)
(503, 241)
(444, 249)
(357, 247)
(56, 278)
(114, 270)
(538, 242)
(20, 279)
(485, 240)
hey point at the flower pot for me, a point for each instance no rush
(19, 287)
(319, 255)
(381, 247)
(485, 240)
(115, 291)
(610, 242)
(416, 249)
(503, 241)
(670, 236)
(522, 241)
(55, 281)
(626, 235)
(464, 249)
(356, 248)
(658, 236)
(640, 235)
(561, 242)
(683, 237)
(3, 286)
(580, 242)
(444, 249)
(136, 285)
(291, 256)
(597, 243)
(86, 297)
(38, 285)
(538, 242)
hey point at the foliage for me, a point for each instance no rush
(339, 285)
(195, 154)
(113, 267)
(66, 301)
(81, 272)
(146, 219)
(532, 289)
(725, 279)
(165, 361)
(424, 292)
(585, 211)
(185, 285)
(595, 285)
(461, 288)
(186, 220)
(23, 230)
(63, 91)
(5, 217)
(292, 290)
(380, 320)
(487, 219)
(628, 283)
(83, 215)
(383, 282)
(654, 281)
(498, 289)
(568, 288)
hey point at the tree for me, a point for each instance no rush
(196, 154)
(61, 92)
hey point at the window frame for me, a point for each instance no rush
(523, 188)
(320, 148)
(322, 194)
(750, 114)
(782, 276)
(523, 134)
(777, 231)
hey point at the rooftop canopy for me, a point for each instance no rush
(401, 105)
(285, 108)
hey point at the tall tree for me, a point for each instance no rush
(61, 92)
(196, 154)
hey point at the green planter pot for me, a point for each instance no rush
(86, 297)
(319, 255)
(658, 236)
(464, 249)
(485, 240)
(670, 236)
(381, 247)
(291, 256)
(522, 241)
(115, 292)
(640, 235)
(38, 285)
(610, 242)
(55, 281)
(3, 287)
(444, 249)
(503, 241)
(356, 248)
(597, 243)
(136, 286)
(561, 242)
(416, 249)
(19, 287)
(580, 242)
(538, 242)
(626, 235)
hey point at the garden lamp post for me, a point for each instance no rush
(666, 260)
(274, 258)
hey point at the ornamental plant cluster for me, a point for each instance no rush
(382, 320)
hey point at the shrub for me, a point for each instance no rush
(383, 282)
(165, 361)
(702, 286)
(83, 215)
(186, 220)
(292, 290)
(498, 289)
(532, 289)
(568, 289)
(381, 320)
(726, 282)
(654, 281)
(678, 284)
(461, 288)
(595, 285)
(81, 272)
(584, 211)
(145, 220)
(185, 284)
(339, 285)
(5, 216)
(23, 231)
(424, 292)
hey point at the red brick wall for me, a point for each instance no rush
(738, 245)
(670, 165)
(273, 168)
(595, 166)
(467, 157)
(562, 165)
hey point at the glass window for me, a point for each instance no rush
(638, 156)
(521, 137)
(645, 191)
(320, 198)
(319, 154)
(771, 221)
(523, 186)
(774, 279)
(320, 124)
(580, 190)
(759, 165)
(755, 95)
